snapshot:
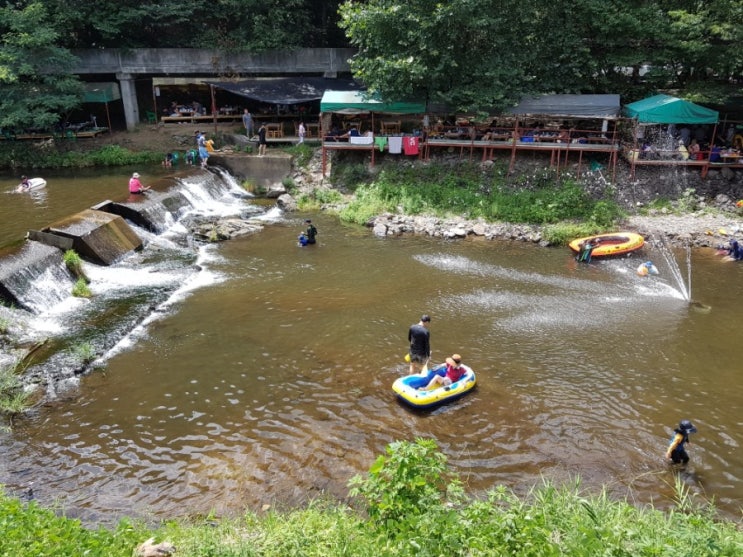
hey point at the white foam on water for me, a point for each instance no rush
(272, 215)
(205, 277)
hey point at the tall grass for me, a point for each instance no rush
(409, 504)
(13, 398)
(470, 192)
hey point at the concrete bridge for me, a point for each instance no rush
(134, 69)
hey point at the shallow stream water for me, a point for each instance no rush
(265, 377)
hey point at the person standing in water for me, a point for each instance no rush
(676, 451)
(419, 338)
(311, 232)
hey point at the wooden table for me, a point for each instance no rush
(730, 158)
(389, 127)
(274, 130)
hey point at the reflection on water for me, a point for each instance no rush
(271, 384)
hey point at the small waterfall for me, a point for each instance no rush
(36, 278)
(683, 287)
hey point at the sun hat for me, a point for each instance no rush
(135, 175)
(687, 427)
(454, 360)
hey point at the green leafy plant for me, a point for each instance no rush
(301, 154)
(406, 483)
(289, 183)
(84, 352)
(249, 185)
(75, 265)
(13, 398)
(81, 289)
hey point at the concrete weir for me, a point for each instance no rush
(97, 236)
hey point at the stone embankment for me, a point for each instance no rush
(694, 229)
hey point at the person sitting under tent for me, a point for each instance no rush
(683, 152)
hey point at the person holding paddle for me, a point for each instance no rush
(419, 338)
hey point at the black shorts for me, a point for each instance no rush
(418, 358)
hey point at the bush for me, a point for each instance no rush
(302, 154)
(75, 265)
(13, 398)
(471, 193)
(27, 155)
(81, 289)
(84, 352)
(407, 483)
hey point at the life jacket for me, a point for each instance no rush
(680, 446)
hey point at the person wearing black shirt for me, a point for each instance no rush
(419, 338)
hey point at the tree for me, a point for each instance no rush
(36, 84)
(467, 54)
(487, 54)
(236, 25)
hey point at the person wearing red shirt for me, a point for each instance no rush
(454, 372)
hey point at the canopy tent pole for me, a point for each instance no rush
(214, 107)
(514, 140)
(372, 131)
(108, 119)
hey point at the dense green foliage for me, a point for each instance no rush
(486, 54)
(25, 154)
(36, 85)
(472, 192)
(413, 506)
(470, 55)
(28, 530)
(243, 25)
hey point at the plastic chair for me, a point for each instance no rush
(151, 117)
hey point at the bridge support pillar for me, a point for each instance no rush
(129, 98)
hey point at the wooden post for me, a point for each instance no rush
(514, 135)
(214, 107)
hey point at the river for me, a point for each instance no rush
(264, 378)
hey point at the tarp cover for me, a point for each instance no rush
(285, 90)
(569, 106)
(355, 102)
(665, 109)
(101, 92)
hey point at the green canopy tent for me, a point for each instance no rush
(102, 93)
(359, 102)
(665, 109)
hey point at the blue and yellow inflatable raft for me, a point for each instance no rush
(407, 391)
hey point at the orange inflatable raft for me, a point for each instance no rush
(615, 243)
